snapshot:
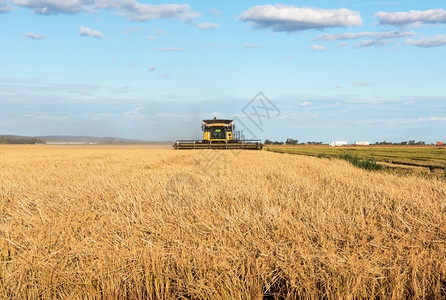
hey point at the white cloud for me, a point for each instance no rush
(206, 45)
(152, 69)
(131, 9)
(121, 90)
(34, 36)
(215, 12)
(370, 43)
(135, 114)
(54, 7)
(4, 7)
(436, 41)
(364, 83)
(433, 119)
(292, 18)
(345, 44)
(318, 48)
(136, 11)
(132, 30)
(206, 26)
(159, 32)
(165, 75)
(172, 49)
(305, 104)
(359, 35)
(251, 46)
(84, 31)
(167, 115)
(413, 17)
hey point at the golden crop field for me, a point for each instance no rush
(114, 223)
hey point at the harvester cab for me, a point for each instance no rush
(217, 130)
(219, 134)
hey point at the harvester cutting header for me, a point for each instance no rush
(219, 134)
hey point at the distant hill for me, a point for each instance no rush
(18, 139)
(96, 140)
(69, 139)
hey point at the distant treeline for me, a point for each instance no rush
(410, 143)
(291, 141)
(20, 140)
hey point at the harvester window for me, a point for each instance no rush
(218, 133)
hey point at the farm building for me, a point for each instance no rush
(362, 143)
(338, 143)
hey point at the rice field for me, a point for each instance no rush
(127, 222)
(421, 160)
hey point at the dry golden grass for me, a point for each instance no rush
(119, 223)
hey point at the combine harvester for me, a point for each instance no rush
(219, 134)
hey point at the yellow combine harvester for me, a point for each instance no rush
(219, 134)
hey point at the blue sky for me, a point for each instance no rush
(335, 70)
